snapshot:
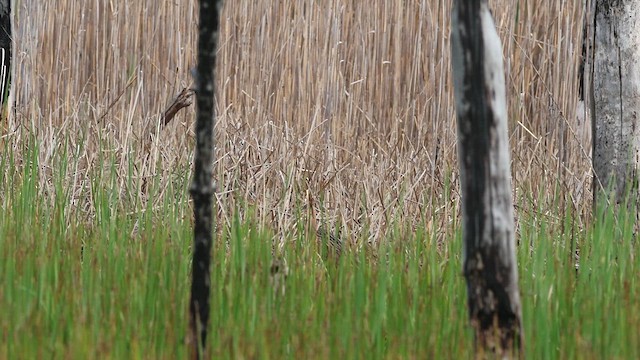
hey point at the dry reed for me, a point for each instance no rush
(350, 101)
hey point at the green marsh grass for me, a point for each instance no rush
(327, 98)
(116, 286)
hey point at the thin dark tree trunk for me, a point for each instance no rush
(202, 185)
(5, 48)
(490, 264)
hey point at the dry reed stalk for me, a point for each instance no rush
(350, 100)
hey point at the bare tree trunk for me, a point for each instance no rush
(202, 185)
(585, 109)
(483, 152)
(5, 49)
(616, 96)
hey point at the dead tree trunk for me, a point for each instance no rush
(5, 49)
(202, 185)
(616, 100)
(490, 264)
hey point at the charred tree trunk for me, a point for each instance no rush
(5, 49)
(202, 185)
(616, 100)
(490, 266)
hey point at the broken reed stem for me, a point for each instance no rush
(181, 101)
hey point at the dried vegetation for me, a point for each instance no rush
(345, 104)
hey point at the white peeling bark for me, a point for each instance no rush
(490, 265)
(616, 96)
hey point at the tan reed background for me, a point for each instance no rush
(348, 103)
